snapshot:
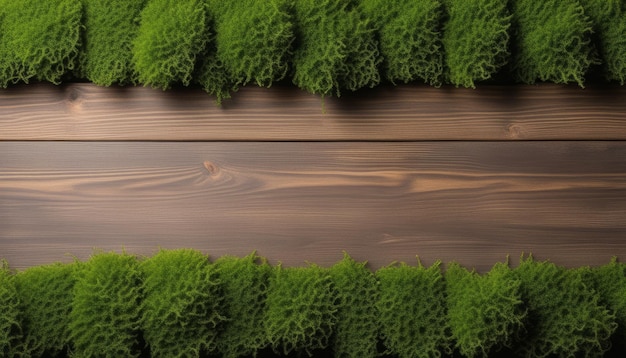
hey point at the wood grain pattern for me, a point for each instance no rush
(405, 113)
(474, 202)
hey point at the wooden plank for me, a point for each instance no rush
(87, 112)
(474, 202)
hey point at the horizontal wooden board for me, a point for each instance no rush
(284, 113)
(474, 202)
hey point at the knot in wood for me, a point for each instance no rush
(211, 168)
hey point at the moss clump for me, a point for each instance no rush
(485, 312)
(172, 34)
(475, 39)
(335, 47)
(39, 39)
(182, 304)
(552, 41)
(10, 329)
(46, 294)
(565, 315)
(412, 310)
(110, 27)
(410, 38)
(356, 330)
(301, 309)
(245, 283)
(104, 321)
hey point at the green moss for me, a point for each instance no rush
(40, 39)
(182, 304)
(412, 310)
(245, 282)
(10, 329)
(104, 321)
(485, 312)
(356, 330)
(552, 41)
(410, 38)
(301, 309)
(475, 39)
(46, 294)
(110, 27)
(565, 315)
(172, 34)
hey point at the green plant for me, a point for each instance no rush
(301, 309)
(182, 304)
(356, 330)
(10, 330)
(412, 310)
(244, 283)
(39, 39)
(475, 40)
(485, 312)
(105, 315)
(46, 294)
(565, 315)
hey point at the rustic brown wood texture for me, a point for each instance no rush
(474, 202)
(87, 112)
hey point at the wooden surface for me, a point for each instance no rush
(474, 202)
(407, 113)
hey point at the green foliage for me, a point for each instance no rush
(566, 317)
(104, 321)
(485, 312)
(10, 330)
(110, 27)
(172, 34)
(39, 39)
(412, 310)
(301, 309)
(245, 283)
(410, 38)
(182, 304)
(476, 39)
(552, 41)
(356, 330)
(46, 294)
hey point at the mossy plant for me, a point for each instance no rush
(301, 309)
(182, 304)
(475, 40)
(110, 27)
(105, 315)
(172, 34)
(566, 317)
(409, 33)
(46, 294)
(244, 284)
(39, 39)
(412, 310)
(356, 331)
(485, 312)
(10, 314)
(552, 41)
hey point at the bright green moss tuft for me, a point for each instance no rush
(172, 34)
(565, 315)
(182, 304)
(39, 39)
(46, 294)
(10, 329)
(104, 321)
(356, 330)
(410, 38)
(110, 27)
(485, 312)
(412, 311)
(301, 309)
(475, 39)
(552, 41)
(245, 282)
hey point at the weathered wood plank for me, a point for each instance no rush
(87, 112)
(474, 202)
